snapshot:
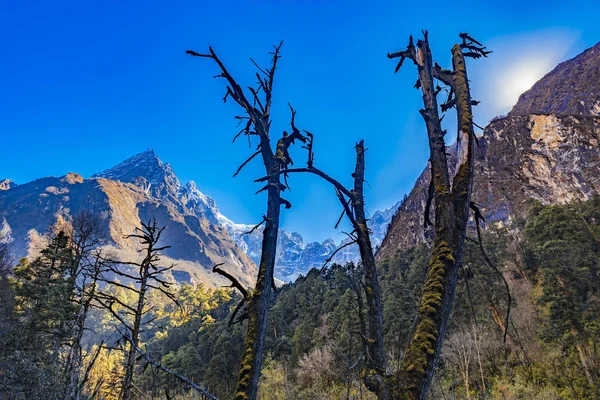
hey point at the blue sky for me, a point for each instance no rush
(88, 84)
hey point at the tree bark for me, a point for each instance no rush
(135, 333)
(452, 200)
(376, 361)
(258, 124)
(260, 298)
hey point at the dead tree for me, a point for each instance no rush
(257, 122)
(74, 362)
(86, 236)
(145, 276)
(452, 200)
(353, 207)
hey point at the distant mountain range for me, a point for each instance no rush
(142, 187)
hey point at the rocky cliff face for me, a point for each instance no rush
(545, 149)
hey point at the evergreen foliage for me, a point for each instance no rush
(550, 260)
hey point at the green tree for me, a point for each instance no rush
(43, 294)
(40, 324)
(565, 249)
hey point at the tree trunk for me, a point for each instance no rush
(451, 215)
(135, 332)
(478, 350)
(258, 123)
(582, 357)
(73, 367)
(376, 360)
(260, 298)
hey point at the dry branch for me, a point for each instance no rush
(479, 217)
(234, 282)
(336, 251)
(258, 123)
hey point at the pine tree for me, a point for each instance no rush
(40, 324)
(43, 294)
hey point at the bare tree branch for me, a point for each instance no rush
(255, 227)
(246, 162)
(171, 372)
(337, 251)
(479, 217)
(234, 282)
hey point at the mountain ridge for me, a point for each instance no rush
(294, 256)
(547, 152)
(143, 186)
(572, 88)
(196, 244)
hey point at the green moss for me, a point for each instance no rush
(247, 368)
(424, 342)
(461, 180)
(439, 185)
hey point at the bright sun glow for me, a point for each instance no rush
(519, 79)
(517, 63)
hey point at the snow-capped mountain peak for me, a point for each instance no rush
(147, 171)
(198, 202)
(294, 256)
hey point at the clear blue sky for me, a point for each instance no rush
(86, 84)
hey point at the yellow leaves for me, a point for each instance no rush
(106, 373)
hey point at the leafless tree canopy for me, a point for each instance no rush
(256, 104)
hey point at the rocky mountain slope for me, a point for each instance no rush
(143, 187)
(6, 184)
(137, 189)
(572, 88)
(294, 256)
(545, 149)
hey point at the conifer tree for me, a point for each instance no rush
(39, 326)
(43, 291)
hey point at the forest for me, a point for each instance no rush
(312, 351)
(482, 310)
